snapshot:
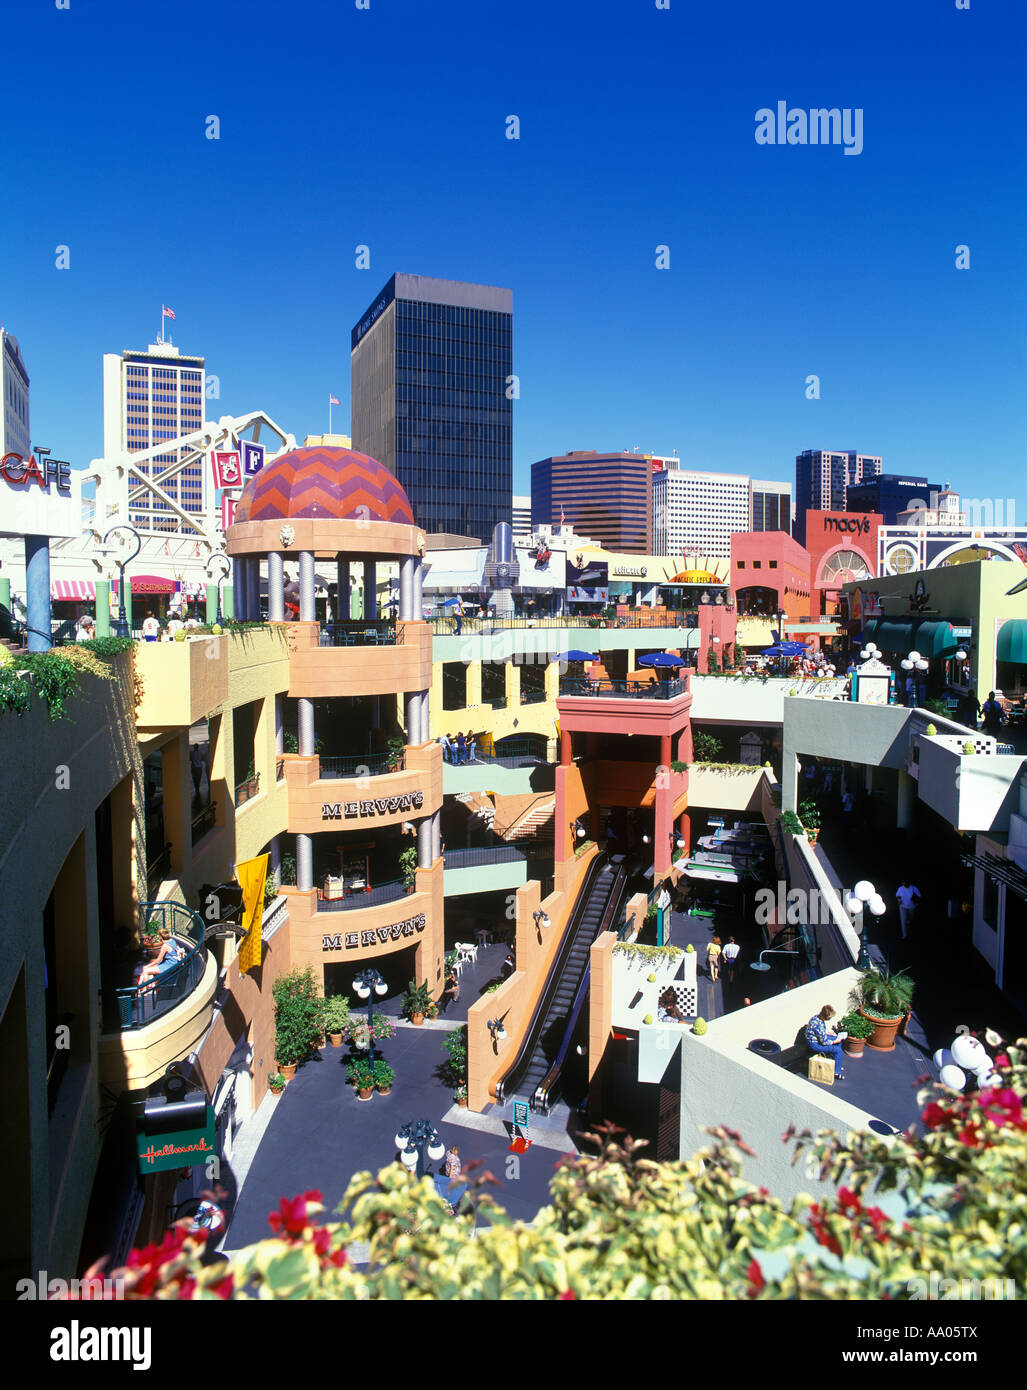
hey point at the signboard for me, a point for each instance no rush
(228, 506)
(962, 632)
(379, 936)
(39, 496)
(183, 1148)
(588, 582)
(252, 457)
(226, 467)
(380, 806)
(521, 1114)
(871, 683)
(374, 313)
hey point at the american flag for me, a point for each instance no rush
(166, 313)
(333, 400)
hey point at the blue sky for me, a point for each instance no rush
(386, 127)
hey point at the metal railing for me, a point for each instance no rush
(445, 626)
(389, 892)
(158, 869)
(533, 697)
(247, 790)
(498, 703)
(140, 1005)
(204, 823)
(487, 854)
(621, 690)
(357, 633)
(522, 751)
(361, 765)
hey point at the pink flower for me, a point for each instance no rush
(755, 1277)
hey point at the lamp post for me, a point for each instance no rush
(225, 572)
(864, 895)
(122, 623)
(541, 920)
(498, 1030)
(416, 1140)
(761, 965)
(366, 984)
(577, 829)
(915, 663)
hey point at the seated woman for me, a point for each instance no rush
(668, 1008)
(822, 1041)
(171, 953)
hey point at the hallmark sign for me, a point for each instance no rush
(380, 806)
(354, 940)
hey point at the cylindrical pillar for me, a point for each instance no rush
(665, 753)
(279, 728)
(228, 600)
(307, 610)
(424, 859)
(304, 862)
(342, 584)
(275, 587)
(436, 836)
(418, 613)
(240, 576)
(103, 607)
(406, 588)
(565, 747)
(253, 598)
(413, 717)
(211, 611)
(425, 717)
(37, 593)
(5, 594)
(305, 727)
(370, 589)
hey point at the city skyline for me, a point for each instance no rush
(915, 360)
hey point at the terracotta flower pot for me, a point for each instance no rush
(882, 1039)
(335, 1039)
(288, 1070)
(383, 1090)
(365, 1093)
(853, 1047)
(417, 1019)
(462, 1103)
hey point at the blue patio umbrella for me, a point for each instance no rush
(449, 603)
(659, 659)
(574, 656)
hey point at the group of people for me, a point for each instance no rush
(459, 749)
(715, 951)
(85, 627)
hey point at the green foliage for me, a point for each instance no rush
(653, 954)
(699, 1027)
(809, 814)
(648, 1018)
(53, 675)
(712, 663)
(15, 691)
(107, 647)
(396, 749)
(408, 866)
(299, 1015)
(620, 1227)
(583, 847)
(382, 1027)
(883, 995)
(454, 1045)
(360, 1073)
(937, 706)
(856, 1026)
(417, 999)
(276, 1082)
(791, 822)
(968, 748)
(383, 1074)
(930, 731)
(288, 870)
(678, 766)
(706, 747)
(336, 1014)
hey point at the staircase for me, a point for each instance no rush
(528, 822)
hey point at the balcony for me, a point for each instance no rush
(181, 682)
(361, 765)
(392, 658)
(247, 789)
(369, 633)
(489, 869)
(623, 689)
(333, 896)
(362, 791)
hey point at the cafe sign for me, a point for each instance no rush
(380, 936)
(39, 496)
(379, 806)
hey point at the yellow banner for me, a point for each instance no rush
(251, 876)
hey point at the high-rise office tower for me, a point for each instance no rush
(521, 517)
(432, 398)
(150, 396)
(695, 510)
(14, 420)
(890, 494)
(771, 506)
(606, 497)
(821, 477)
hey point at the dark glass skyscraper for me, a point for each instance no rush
(431, 364)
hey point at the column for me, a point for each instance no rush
(304, 862)
(253, 598)
(211, 610)
(425, 717)
(37, 593)
(513, 684)
(305, 727)
(565, 747)
(228, 600)
(275, 864)
(685, 750)
(279, 728)
(342, 589)
(436, 836)
(413, 717)
(472, 688)
(275, 587)
(5, 594)
(406, 588)
(370, 589)
(307, 610)
(103, 607)
(424, 837)
(685, 831)
(665, 753)
(239, 576)
(418, 613)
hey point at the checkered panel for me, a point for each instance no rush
(687, 999)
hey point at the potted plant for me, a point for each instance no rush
(858, 1029)
(809, 815)
(884, 1000)
(276, 1083)
(394, 755)
(299, 1018)
(416, 1002)
(151, 945)
(382, 1028)
(460, 1096)
(408, 868)
(360, 1073)
(383, 1076)
(336, 1015)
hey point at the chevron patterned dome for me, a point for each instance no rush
(327, 484)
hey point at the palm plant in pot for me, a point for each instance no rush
(417, 1002)
(408, 868)
(336, 1018)
(858, 1029)
(884, 1000)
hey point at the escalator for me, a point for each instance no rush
(536, 1070)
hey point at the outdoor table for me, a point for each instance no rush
(485, 937)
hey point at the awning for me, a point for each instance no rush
(73, 590)
(1000, 869)
(1012, 641)
(897, 636)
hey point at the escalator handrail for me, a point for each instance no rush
(527, 1046)
(543, 1091)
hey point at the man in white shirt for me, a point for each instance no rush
(151, 628)
(731, 952)
(907, 897)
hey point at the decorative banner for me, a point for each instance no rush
(251, 876)
(588, 582)
(228, 506)
(227, 468)
(252, 457)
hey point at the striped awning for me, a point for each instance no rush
(72, 590)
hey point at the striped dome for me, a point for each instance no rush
(329, 484)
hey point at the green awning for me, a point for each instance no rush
(897, 636)
(1012, 641)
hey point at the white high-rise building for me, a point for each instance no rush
(149, 396)
(521, 517)
(14, 421)
(695, 511)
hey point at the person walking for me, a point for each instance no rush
(847, 802)
(458, 613)
(713, 958)
(197, 764)
(508, 967)
(151, 627)
(450, 990)
(907, 896)
(970, 709)
(731, 952)
(461, 748)
(825, 1043)
(994, 717)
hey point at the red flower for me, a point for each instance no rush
(755, 1277)
(291, 1216)
(224, 1287)
(1001, 1061)
(935, 1116)
(879, 1222)
(969, 1135)
(568, 1294)
(1003, 1107)
(849, 1201)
